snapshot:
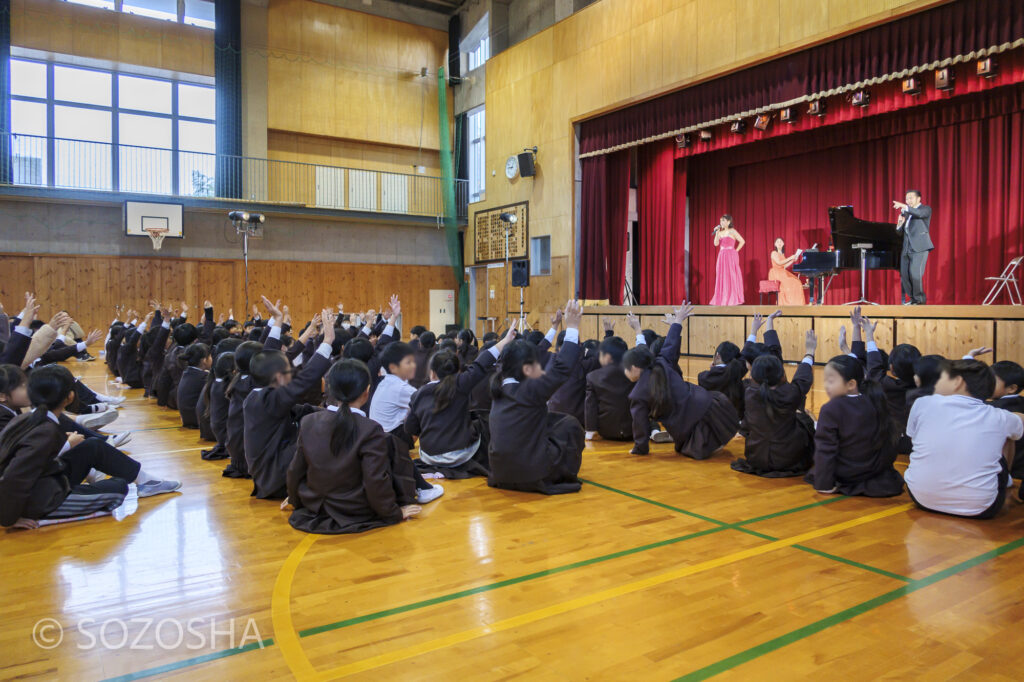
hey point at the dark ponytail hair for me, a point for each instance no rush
(223, 367)
(516, 355)
(48, 389)
(851, 369)
(642, 358)
(193, 355)
(468, 338)
(11, 378)
(928, 368)
(347, 380)
(767, 371)
(445, 364)
(267, 364)
(243, 354)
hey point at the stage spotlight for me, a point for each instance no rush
(788, 115)
(816, 108)
(510, 218)
(763, 121)
(860, 98)
(738, 126)
(912, 86)
(987, 67)
(944, 79)
(705, 136)
(683, 141)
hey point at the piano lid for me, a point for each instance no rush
(847, 230)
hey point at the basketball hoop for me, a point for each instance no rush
(157, 234)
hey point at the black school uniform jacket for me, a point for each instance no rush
(341, 491)
(271, 428)
(113, 349)
(129, 366)
(467, 354)
(519, 419)
(726, 379)
(776, 442)
(422, 364)
(480, 396)
(235, 426)
(606, 405)
(449, 429)
(570, 396)
(689, 402)
(1012, 403)
(895, 392)
(219, 411)
(153, 363)
(191, 385)
(32, 483)
(15, 350)
(843, 451)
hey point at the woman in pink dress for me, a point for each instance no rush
(728, 278)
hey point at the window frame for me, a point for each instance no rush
(179, 14)
(477, 146)
(535, 263)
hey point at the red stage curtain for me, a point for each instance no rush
(965, 156)
(604, 213)
(662, 254)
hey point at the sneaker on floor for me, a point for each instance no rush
(96, 420)
(110, 399)
(158, 488)
(424, 496)
(661, 437)
(119, 439)
(85, 358)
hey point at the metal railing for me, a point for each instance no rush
(47, 162)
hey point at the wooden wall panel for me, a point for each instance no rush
(1009, 341)
(792, 333)
(707, 332)
(827, 329)
(949, 338)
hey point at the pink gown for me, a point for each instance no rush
(728, 278)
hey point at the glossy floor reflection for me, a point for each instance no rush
(661, 568)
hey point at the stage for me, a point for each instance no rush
(948, 330)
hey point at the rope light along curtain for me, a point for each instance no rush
(451, 223)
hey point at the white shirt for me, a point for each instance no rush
(390, 404)
(353, 410)
(958, 444)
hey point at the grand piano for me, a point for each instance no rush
(856, 245)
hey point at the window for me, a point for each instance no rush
(193, 12)
(477, 155)
(480, 54)
(155, 9)
(540, 256)
(102, 4)
(477, 44)
(111, 131)
(199, 13)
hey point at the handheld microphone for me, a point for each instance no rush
(715, 229)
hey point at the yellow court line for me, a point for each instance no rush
(571, 605)
(285, 635)
(163, 452)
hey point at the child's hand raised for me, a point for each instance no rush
(608, 324)
(509, 337)
(975, 352)
(756, 323)
(273, 311)
(573, 314)
(633, 321)
(683, 311)
(844, 347)
(556, 319)
(771, 320)
(396, 306)
(94, 336)
(810, 342)
(327, 317)
(869, 328)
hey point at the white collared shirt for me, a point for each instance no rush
(353, 410)
(390, 404)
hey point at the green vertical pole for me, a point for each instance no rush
(451, 223)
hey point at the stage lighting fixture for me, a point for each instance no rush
(738, 126)
(788, 115)
(860, 98)
(763, 121)
(705, 136)
(912, 86)
(816, 108)
(683, 141)
(944, 79)
(987, 67)
(510, 218)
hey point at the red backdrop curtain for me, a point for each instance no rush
(965, 156)
(604, 213)
(661, 206)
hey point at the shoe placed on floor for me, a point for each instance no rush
(158, 488)
(425, 496)
(96, 420)
(119, 439)
(114, 400)
(661, 437)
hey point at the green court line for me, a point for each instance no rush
(847, 614)
(763, 536)
(720, 526)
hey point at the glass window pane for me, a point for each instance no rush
(196, 101)
(145, 94)
(28, 118)
(82, 155)
(102, 4)
(28, 78)
(197, 137)
(81, 85)
(145, 170)
(144, 131)
(199, 13)
(196, 174)
(28, 145)
(156, 9)
(75, 123)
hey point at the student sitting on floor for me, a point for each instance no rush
(532, 449)
(699, 421)
(571, 396)
(195, 361)
(345, 476)
(927, 370)
(853, 446)
(453, 442)
(726, 375)
(43, 469)
(958, 464)
(270, 423)
(780, 441)
(606, 402)
(1006, 396)
(218, 403)
(896, 379)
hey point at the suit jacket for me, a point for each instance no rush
(32, 482)
(915, 229)
(606, 404)
(448, 430)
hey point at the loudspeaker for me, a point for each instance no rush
(526, 168)
(520, 273)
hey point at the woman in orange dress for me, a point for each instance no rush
(791, 291)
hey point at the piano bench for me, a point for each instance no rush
(767, 286)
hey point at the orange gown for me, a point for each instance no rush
(791, 291)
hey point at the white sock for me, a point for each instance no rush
(94, 476)
(590, 435)
(145, 477)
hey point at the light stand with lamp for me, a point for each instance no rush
(510, 219)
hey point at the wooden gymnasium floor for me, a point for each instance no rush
(661, 568)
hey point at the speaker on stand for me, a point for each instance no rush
(520, 270)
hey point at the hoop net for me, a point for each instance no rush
(157, 234)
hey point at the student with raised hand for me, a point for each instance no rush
(345, 476)
(699, 421)
(271, 425)
(854, 449)
(896, 378)
(962, 447)
(21, 335)
(780, 441)
(452, 442)
(195, 361)
(532, 449)
(606, 406)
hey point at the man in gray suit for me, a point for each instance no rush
(914, 220)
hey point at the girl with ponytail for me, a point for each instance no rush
(699, 421)
(781, 438)
(237, 391)
(453, 442)
(467, 347)
(346, 475)
(854, 447)
(195, 362)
